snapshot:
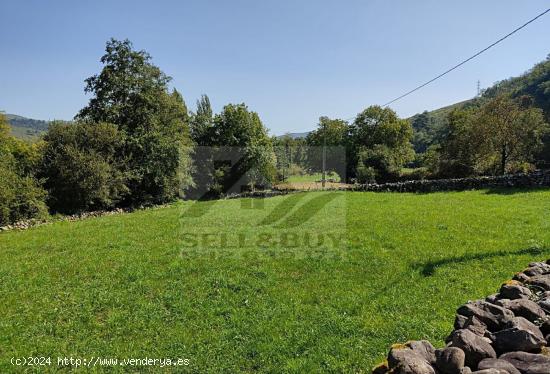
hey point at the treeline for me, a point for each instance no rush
(136, 143)
(505, 130)
(431, 128)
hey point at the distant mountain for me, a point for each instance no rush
(295, 135)
(26, 128)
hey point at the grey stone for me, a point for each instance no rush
(460, 321)
(521, 277)
(476, 326)
(491, 371)
(545, 327)
(514, 290)
(523, 308)
(538, 268)
(403, 360)
(496, 363)
(492, 315)
(544, 304)
(542, 282)
(450, 360)
(528, 363)
(520, 335)
(424, 349)
(475, 347)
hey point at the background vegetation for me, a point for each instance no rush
(136, 143)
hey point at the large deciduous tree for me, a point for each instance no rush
(132, 93)
(240, 131)
(379, 145)
(503, 136)
(510, 131)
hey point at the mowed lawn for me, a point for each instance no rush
(199, 281)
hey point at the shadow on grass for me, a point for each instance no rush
(282, 209)
(427, 269)
(513, 190)
(198, 208)
(308, 210)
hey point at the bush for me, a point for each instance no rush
(80, 167)
(366, 174)
(21, 196)
(380, 163)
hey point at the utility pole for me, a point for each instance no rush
(287, 159)
(324, 154)
(478, 88)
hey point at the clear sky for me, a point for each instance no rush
(290, 60)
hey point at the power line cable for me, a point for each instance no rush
(465, 61)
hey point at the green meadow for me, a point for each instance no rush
(307, 282)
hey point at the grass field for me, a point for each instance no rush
(311, 182)
(199, 281)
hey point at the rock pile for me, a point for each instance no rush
(506, 333)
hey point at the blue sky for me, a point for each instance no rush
(291, 61)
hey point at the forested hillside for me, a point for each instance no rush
(26, 128)
(430, 127)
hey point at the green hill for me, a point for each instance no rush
(26, 128)
(430, 126)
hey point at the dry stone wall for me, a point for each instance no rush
(505, 333)
(536, 179)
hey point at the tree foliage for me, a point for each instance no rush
(379, 145)
(233, 150)
(132, 93)
(503, 136)
(21, 194)
(291, 154)
(81, 167)
(331, 134)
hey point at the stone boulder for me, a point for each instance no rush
(545, 327)
(520, 335)
(528, 363)
(523, 308)
(492, 315)
(541, 282)
(520, 277)
(450, 360)
(514, 290)
(495, 363)
(475, 348)
(404, 360)
(423, 348)
(537, 268)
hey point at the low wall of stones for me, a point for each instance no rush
(505, 333)
(536, 179)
